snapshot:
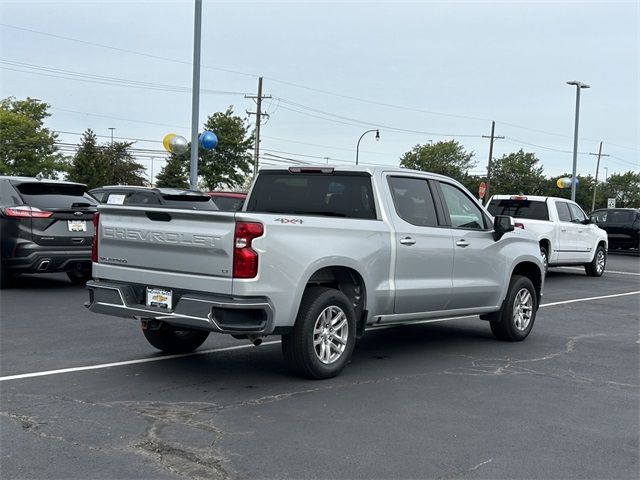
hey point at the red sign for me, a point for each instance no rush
(482, 190)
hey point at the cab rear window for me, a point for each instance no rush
(532, 209)
(348, 195)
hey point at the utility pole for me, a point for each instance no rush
(258, 113)
(112, 129)
(606, 174)
(493, 138)
(595, 186)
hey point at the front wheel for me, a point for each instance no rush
(173, 340)
(323, 336)
(595, 268)
(518, 312)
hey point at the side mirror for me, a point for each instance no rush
(501, 225)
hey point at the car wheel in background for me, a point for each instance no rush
(596, 267)
(173, 340)
(518, 313)
(545, 258)
(323, 336)
(79, 277)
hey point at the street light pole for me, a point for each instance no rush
(195, 94)
(579, 86)
(358, 144)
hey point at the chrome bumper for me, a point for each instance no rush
(195, 310)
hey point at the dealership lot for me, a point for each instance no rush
(435, 400)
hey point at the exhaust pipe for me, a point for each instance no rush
(44, 264)
(256, 340)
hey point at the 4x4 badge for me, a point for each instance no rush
(77, 213)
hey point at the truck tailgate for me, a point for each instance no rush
(192, 242)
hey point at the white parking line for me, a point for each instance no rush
(606, 271)
(240, 347)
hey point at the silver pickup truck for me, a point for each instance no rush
(317, 255)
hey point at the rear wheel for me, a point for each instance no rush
(323, 336)
(596, 267)
(518, 312)
(173, 340)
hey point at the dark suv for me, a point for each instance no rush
(153, 197)
(45, 226)
(622, 226)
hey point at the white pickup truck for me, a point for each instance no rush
(565, 234)
(317, 255)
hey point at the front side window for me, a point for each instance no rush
(563, 211)
(413, 201)
(599, 217)
(462, 211)
(576, 213)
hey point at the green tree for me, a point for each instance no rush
(122, 167)
(517, 173)
(447, 158)
(27, 147)
(624, 187)
(173, 174)
(89, 164)
(230, 162)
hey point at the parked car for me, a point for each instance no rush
(317, 255)
(46, 227)
(622, 226)
(153, 197)
(565, 234)
(229, 201)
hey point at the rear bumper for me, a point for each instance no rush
(49, 260)
(195, 310)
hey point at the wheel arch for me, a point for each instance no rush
(533, 273)
(350, 282)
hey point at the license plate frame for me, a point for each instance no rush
(77, 225)
(159, 298)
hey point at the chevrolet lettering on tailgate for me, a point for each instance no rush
(138, 235)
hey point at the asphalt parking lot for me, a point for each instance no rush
(84, 396)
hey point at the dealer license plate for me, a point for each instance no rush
(77, 225)
(159, 297)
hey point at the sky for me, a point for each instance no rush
(419, 71)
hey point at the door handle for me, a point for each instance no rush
(563, 229)
(462, 243)
(407, 241)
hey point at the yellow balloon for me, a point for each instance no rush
(563, 182)
(166, 141)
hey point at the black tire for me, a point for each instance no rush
(596, 267)
(173, 340)
(298, 347)
(6, 278)
(545, 258)
(509, 327)
(79, 277)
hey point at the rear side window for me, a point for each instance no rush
(532, 209)
(53, 195)
(621, 216)
(336, 195)
(413, 201)
(563, 211)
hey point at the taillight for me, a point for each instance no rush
(519, 225)
(94, 242)
(25, 211)
(245, 259)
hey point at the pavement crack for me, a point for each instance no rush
(459, 473)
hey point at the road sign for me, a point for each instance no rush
(482, 189)
(611, 203)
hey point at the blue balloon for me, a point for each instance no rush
(208, 140)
